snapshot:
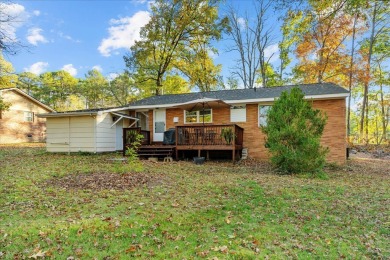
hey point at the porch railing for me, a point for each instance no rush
(130, 133)
(209, 135)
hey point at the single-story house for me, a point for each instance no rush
(200, 120)
(19, 123)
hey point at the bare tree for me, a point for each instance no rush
(8, 44)
(379, 22)
(264, 37)
(251, 38)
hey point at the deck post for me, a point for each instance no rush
(124, 142)
(176, 143)
(234, 144)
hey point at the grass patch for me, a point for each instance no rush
(50, 207)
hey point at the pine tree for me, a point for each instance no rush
(293, 132)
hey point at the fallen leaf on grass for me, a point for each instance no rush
(133, 248)
(222, 249)
(38, 254)
(203, 253)
(42, 234)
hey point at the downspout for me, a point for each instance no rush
(94, 132)
(69, 135)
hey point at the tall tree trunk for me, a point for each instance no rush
(159, 84)
(368, 74)
(366, 123)
(350, 77)
(383, 116)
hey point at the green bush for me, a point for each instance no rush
(131, 152)
(293, 132)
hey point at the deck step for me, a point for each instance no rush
(155, 151)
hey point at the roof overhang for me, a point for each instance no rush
(67, 114)
(121, 116)
(124, 116)
(242, 101)
(22, 93)
(311, 97)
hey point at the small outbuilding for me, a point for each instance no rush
(90, 130)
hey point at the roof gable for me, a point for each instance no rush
(27, 96)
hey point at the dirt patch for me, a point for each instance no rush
(108, 181)
(381, 152)
(370, 155)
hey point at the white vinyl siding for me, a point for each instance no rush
(238, 113)
(70, 134)
(105, 134)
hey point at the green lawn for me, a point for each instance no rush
(86, 206)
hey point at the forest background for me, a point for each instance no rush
(179, 45)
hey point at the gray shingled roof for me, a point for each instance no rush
(317, 89)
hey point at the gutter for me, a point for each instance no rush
(47, 115)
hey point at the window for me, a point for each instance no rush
(263, 111)
(28, 116)
(198, 116)
(238, 113)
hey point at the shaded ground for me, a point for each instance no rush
(381, 152)
(108, 181)
(82, 206)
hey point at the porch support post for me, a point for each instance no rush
(124, 142)
(199, 153)
(176, 142)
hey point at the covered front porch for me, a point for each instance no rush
(184, 138)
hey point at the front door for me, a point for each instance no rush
(159, 125)
(119, 136)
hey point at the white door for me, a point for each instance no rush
(119, 135)
(159, 125)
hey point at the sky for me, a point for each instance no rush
(77, 36)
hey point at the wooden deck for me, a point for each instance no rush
(209, 138)
(156, 150)
(192, 138)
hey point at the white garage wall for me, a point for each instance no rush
(105, 134)
(71, 134)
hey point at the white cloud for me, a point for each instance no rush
(272, 52)
(112, 76)
(139, 1)
(37, 68)
(97, 67)
(36, 12)
(241, 21)
(70, 69)
(123, 32)
(15, 16)
(67, 37)
(34, 36)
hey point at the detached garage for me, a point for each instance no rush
(87, 130)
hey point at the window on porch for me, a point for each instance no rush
(198, 116)
(263, 112)
(238, 113)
